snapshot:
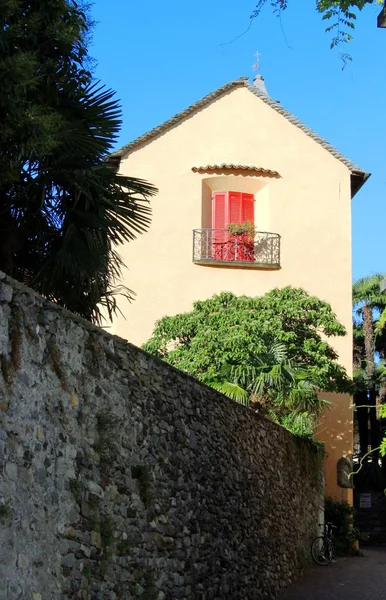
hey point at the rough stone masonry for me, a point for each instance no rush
(121, 477)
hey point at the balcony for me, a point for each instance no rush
(218, 247)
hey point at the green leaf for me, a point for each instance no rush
(382, 449)
(233, 391)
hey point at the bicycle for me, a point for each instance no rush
(322, 547)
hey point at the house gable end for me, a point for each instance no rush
(358, 176)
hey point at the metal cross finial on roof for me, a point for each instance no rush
(256, 65)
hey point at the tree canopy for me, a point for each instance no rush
(230, 330)
(63, 208)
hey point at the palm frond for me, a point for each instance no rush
(277, 352)
(233, 391)
(381, 323)
(367, 290)
(280, 385)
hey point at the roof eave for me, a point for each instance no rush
(358, 179)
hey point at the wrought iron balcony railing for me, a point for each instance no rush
(217, 246)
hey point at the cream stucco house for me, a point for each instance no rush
(237, 155)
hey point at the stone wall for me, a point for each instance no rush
(121, 477)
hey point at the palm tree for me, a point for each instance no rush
(275, 386)
(367, 298)
(62, 221)
(63, 208)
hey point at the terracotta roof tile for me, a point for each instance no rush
(229, 167)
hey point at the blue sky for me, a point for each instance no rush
(162, 56)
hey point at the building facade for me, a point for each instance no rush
(238, 157)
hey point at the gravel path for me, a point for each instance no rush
(347, 579)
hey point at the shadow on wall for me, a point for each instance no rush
(336, 431)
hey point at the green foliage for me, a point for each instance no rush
(231, 330)
(382, 447)
(368, 302)
(341, 15)
(369, 373)
(272, 350)
(284, 391)
(341, 514)
(300, 424)
(310, 459)
(233, 390)
(367, 290)
(63, 208)
(369, 342)
(246, 228)
(380, 325)
(382, 415)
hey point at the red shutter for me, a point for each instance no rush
(231, 207)
(248, 207)
(247, 252)
(219, 237)
(235, 206)
(219, 209)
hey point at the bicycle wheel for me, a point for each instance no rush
(321, 551)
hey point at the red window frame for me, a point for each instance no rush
(231, 207)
